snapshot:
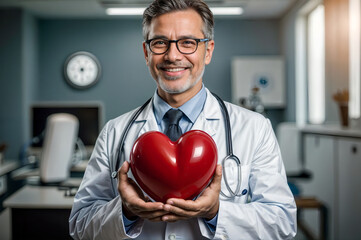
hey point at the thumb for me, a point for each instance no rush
(217, 178)
(218, 174)
(122, 172)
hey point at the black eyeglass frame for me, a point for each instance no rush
(198, 40)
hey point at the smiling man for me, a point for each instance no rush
(177, 66)
(178, 44)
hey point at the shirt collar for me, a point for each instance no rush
(192, 108)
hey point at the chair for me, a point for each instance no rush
(304, 203)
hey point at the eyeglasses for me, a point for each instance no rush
(184, 46)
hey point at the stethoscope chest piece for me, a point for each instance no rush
(231, 169)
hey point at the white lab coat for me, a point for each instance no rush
(266, 211)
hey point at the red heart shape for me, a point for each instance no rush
(166, 169)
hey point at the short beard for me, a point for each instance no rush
(183, 89)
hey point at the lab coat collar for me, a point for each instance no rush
(210, 113)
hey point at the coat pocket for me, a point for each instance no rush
(232, 177)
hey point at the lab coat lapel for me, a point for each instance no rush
(146, 120)
(209, 117)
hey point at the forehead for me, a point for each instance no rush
(177, 24)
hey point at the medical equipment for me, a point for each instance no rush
(59, 142)
(230, 155)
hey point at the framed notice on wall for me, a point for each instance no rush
(264, 72)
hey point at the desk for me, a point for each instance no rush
(8, 166)
(24, 172)
(39, 212)
(7, 184)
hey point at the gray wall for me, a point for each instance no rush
(11, 82)
(125, 82)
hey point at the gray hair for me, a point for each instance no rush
(159, 7)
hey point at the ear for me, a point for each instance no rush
(209, 51)
(145, 50)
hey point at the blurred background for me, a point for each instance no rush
(295, 61)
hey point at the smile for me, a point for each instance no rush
(174, 69)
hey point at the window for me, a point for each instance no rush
(354, 68)
(316, 65)
(310, 64)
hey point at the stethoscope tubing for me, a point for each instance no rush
(125, 134)
(230, 155)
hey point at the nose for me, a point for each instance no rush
(173, 53)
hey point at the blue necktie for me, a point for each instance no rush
(173, 131)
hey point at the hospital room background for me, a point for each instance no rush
(295, 61)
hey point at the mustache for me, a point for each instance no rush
(168, 64)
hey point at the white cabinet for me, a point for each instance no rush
(349, 188)
(333, 155)
(320, 161)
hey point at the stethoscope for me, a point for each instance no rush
(230, 156)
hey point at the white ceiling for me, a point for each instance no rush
(253, 9)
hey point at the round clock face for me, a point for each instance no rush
(82, 70)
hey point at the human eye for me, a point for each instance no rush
(188, 43)
(159, 43)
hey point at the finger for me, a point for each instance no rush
(143, 206)
(182, 213)
(174, 203)
(125, 168)
(183, 208)
(123, 172)
(173, 218)
(216, 182)
(153, 215)
(146, 211)
(218, 173)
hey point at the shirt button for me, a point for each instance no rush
(172, 237)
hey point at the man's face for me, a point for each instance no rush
(174, 72)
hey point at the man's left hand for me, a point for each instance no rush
(205, 206)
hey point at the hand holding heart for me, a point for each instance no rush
(136, 205)
(205, 206)
(183, 169)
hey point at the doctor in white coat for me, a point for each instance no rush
(178, 44)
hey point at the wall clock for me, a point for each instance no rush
(82, 70)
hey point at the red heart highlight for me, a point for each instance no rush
(166, 169)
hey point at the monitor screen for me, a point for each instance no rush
(89, 116)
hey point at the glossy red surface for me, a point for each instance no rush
(166, 169)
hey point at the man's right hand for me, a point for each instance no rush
(135, 204)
